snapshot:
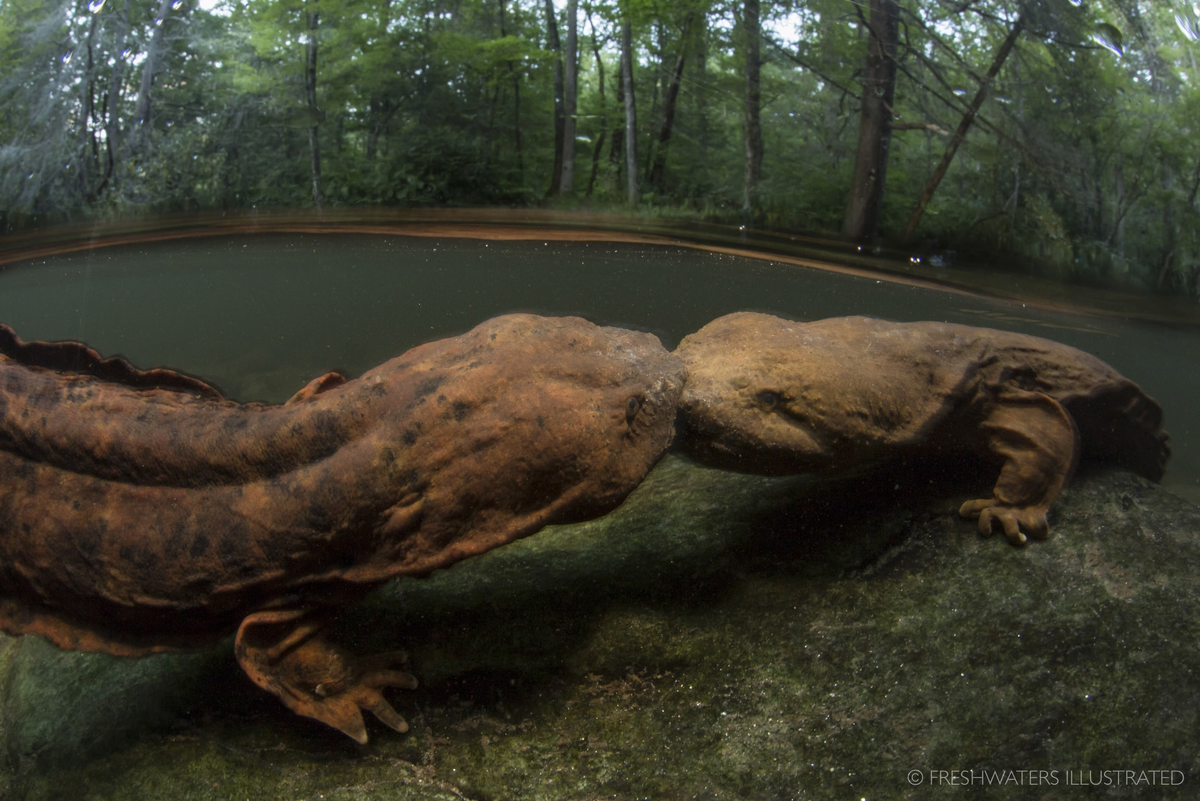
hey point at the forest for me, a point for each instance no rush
(1056, 137)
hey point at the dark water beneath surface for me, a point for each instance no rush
(261, 315)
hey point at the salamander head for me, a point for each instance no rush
(600, 403)
(754, 394)
(527, 420)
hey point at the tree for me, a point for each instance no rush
(657, 177)
(112, 101)
(964, 125)
(753, 128)
(559, 111)
(310, 96)
(570, 102)
(598, 148)
(631, 164)
(516, 87)
(142, 112)
(875, 123)
(1074, 154)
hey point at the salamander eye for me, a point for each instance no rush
(632, 405)
(768, 399)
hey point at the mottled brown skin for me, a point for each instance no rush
(140, 512)
(773, 396)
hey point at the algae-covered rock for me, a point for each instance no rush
(718, 637)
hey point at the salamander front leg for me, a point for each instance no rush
(1039, 442)
(283, 652)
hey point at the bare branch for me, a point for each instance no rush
(786, 53)
(919, 126)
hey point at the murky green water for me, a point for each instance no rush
(261, 315)
(762, 638)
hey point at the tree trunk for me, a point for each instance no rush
(658, 169)
(570, 90)
(379, 112)
(1191, 201)
(310, 96)
(961, 133)
(700, 85)
(631, 165)
(874, 127)
(142, 110)
(516, 82)
(1168, 223)
(228, 193)
(1126, 199)
(648, 153)
(603, 118)
(1120, 230)
(87, 113)
(596, 162)
(1015, 198)
(517, 124)
(112, 100)
(556, 48)
(618, 131)
(753, 127)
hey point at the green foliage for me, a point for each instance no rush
(1083, 161)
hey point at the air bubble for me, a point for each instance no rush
(1188, 23)
(1109, 37)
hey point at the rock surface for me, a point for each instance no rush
(719, 636)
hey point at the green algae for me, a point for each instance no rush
(718, 637)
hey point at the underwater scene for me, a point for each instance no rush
(570, 400)
(704, 609)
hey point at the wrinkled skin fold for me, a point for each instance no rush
(768, 395)
(141, 512)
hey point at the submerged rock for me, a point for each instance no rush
(719, 636)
